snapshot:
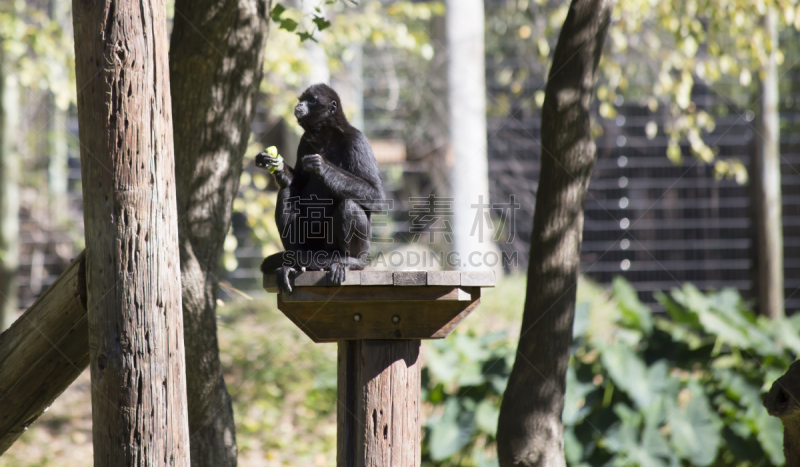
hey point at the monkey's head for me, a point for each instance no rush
(320, 109)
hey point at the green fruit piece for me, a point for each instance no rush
(277, 156)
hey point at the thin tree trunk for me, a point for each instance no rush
(136, 353)
(530, 432)
(767, 182)
(469, 176)
(216, 59)
(58, 151)
(9, 195)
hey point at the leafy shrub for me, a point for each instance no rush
(682, 387)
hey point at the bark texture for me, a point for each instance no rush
(136, 353)
(783, 402)
(530, 432)
(42, 353)
(216, 58)
(378, 418)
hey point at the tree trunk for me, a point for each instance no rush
(9, 195)
(136, 353)
(767, 182)
(530, 432)
(782, 402)
(216, 58)
(469, 176)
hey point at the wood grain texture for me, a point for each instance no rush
(373, 293)
(43, 352)
(139, 408)
(396, 278)
(378, 411)
(477, 278)
(409, 278)
(335, 320)
(376, 278)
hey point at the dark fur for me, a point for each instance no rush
(334, 162)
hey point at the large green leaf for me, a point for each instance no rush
(769, 432)
(628, 372)
(695, 430)
(450, 432)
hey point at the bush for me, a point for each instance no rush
(682, 387)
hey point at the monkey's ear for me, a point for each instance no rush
(334, 105)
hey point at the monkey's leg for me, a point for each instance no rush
(281, 265)
(352, 232)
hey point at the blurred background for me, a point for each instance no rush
(670, 266)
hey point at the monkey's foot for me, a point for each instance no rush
(338, 273)
(282, 274)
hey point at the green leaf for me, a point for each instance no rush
(305, 36)
(288, 24)
(451, 432)
(628, 372)
(486, 416)
(321, 23)
(695, 431)
(276, 12)
(769, 433)
(634, 312)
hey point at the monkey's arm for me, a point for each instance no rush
(283, 173)
(341, 183)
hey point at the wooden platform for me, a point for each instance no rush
(381, 304)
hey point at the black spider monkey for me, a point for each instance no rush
(336, 165)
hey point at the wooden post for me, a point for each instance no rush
(378, 403)
(136, 352)
(378, 319)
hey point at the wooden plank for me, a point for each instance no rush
(377, 278)
(376, 293)
(352, 278)
(408, 278)
(310, 279)
(270, 283)
(477, 278)
(378, 419)
(43, 352)
(333, 321)
(444, 278)
(397, 278)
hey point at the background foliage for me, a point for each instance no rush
(681, 388)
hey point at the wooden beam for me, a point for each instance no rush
(42, 353)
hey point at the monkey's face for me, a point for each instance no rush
(316, 107)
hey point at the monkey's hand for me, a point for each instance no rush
(270, 160)
(314, 163)
(338, 273)
(282, 274)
